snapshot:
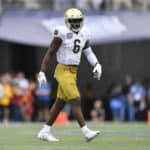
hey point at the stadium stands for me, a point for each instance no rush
(84, 4)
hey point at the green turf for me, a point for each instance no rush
(114, 136)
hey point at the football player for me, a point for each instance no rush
(68, 42)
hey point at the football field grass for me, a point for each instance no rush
(114, 136)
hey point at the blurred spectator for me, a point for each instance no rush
(121, 4)
(27, 100)
(84, 4)
(16, 104)
(81, 4)
(98, 113)
(46, 3)
(22, 82)
(1, 89)
(62, 4)
(20, 100)
(148, 99)
(1, 96)
(43, 101)
(32, 4)
(138, 94)
(5, 100)
(88, 4)
(128, 101)
(97, 4)
(117, 103)
(127, 84)
(37, 4)
(14, 3)
(140, 4)
(32, 86)
(1, 8)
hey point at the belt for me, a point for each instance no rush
(70, 65)
(73, 65)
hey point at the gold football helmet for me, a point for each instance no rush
(74, 19)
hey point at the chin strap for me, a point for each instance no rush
(76, 30)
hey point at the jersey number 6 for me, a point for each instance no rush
(76, 48)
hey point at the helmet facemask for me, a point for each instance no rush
(75, 24)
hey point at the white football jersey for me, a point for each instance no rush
(69, 53)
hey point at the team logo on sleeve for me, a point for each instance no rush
(69, 35)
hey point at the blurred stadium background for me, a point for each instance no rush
(117, 104)
(120, 37)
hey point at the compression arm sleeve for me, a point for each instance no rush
(90, 56)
